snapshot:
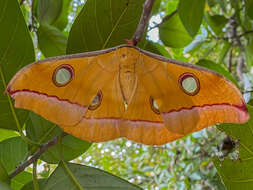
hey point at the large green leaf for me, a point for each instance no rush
(249, 8)
(12, 152)
(103, 24)
(16, 50)
(69, 176)
(191, 14)
(20, 180)
(173, 34)
(62, 19)
(249, 53)
(216, 22)
(30, 186)
(53, 12)
(156, 7)
(48, 10)
(5, 134)
(41, 131)
(226, 47)
(238, 174)
(217, 68)
(4, 186)
(4, 177)
(52, 42)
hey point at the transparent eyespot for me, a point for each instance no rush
(96, 101)
(63, 75)
(189, 83)
(154, 105)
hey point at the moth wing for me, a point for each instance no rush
(102, 122)
(216, 100)
(141, 121)
(34, 86)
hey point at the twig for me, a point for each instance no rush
(230, 60)
(21, 2)
(247, 91)
(35, 179)
(245, 33)
(147, 7)
(164, 20)
(37, 154)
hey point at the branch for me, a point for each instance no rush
(37, 154)
(147, 7)
(164, 20)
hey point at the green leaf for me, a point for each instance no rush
(4, 177)
(217, 68)
(41, 131)
(62, 19)
(226, 47)
(4, 186)
(211, 3)
(52, 42)
(48, 10)
(5, 134)
(30, 186)
(12, 152)
(216, 22)
(249, 54)
(162, 50)
(156, 7)
(173, 34)
(154, 48)
(53, 12)
(20, 180)
(235, 4)
(16, 50)
(104, 23)
(191, 14)
(238, 174)
(249, 8)
(171, 6)
(69, 176)
(223, 5)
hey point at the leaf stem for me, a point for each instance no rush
(71, 175)
(35, 180)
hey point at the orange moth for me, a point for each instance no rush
(127, 92)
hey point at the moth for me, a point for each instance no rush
(126, 92)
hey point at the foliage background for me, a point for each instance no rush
(216, 34)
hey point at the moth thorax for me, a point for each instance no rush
(127, 80)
